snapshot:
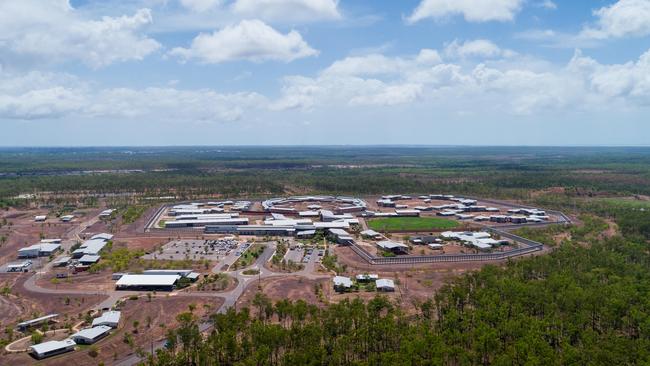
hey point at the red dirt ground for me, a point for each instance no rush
(161, 310)
(22, 304)
(292, 288)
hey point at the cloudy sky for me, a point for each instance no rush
(278, 72)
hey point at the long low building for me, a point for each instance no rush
(207, 216)
(93, 246)
(51, 348)
(39, 250)
(108, 318)
(205, 222)
(147, 282)
(61, 261)
(341, 236)
(393, 246)
(251, 230)
(91, 335)
(37, 321)
(23, 266)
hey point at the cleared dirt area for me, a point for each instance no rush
(21, 231)
(100, 281)
(280, 288)
(153, 319)
(22, 304)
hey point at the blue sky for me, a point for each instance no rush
(294, 72)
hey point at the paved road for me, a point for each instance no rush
(230, 297)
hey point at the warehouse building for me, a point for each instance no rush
(147, 282)
(90, 247)
(207, 216)
(23, 326)
(385, 285)
(61, 261)
(366, 277)
(39, 250)
(305, 234)
(23, 266)
(256, 230)
(91, 335)
(51, 348)
(66, 218)
(104, 236)
(108, 318)
(342, 283)
(88, 259)
(424, 239)
(370, 234)
(341, 236)
(392, 246)
(205, 222)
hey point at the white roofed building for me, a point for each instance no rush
(91, 335)
(51, 348)
(108, 318)
(393, 246)
(385, 284)
(165, 282)
(342, 283)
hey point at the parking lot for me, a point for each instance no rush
(212, 250)
(304, 255)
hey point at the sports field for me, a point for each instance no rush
(411, 223)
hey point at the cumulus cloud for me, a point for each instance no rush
(251, 40)
(471, 10)
(475, 48)
(622, 19)
(546, 4)
(200, 5)
(630, 80)
(51, 30)
(203, 105)
(288, 10)
(377, 64)
(521, 86)
(38, 95)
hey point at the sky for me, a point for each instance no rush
(324, 72)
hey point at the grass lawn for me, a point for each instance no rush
(249, 256)
(411, 223)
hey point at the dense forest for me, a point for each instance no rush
(585, 303)
(504, 172)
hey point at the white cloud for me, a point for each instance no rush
(251, 40)
(377, 64)
(517, 85)
(288, 10)
(40, 103)
(38, 95)
(547, 4)
(471, 10)
(51, 30)
(475, 48)
(630, 80)
(171, 104)
(200, 5)
(624, 18)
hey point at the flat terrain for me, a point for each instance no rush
(20, 303)
(153, 319)
(280, 288)
(411, 223)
